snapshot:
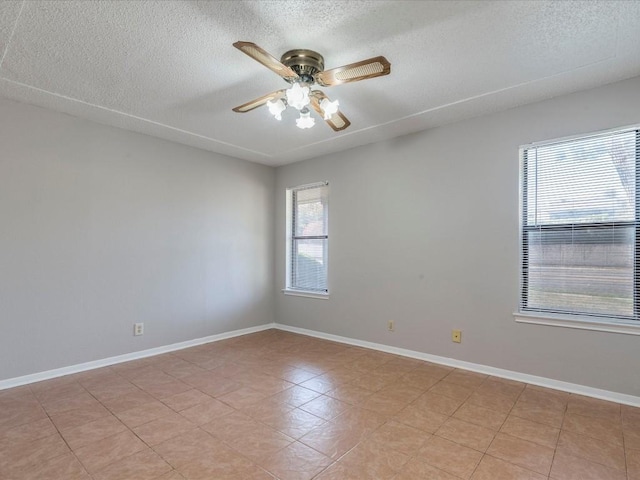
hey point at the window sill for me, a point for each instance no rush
(303, 293)
(581, 323)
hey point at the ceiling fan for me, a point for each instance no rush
(303, 69)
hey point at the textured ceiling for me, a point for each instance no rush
(168, 68)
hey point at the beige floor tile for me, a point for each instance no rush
(534, 432)
(491, 401)
(321, 383)
(592, 449)
(450, 389)
(631, 433)
(435, 370)
(19, 411)
(466, 378)
(294, 423)
(400, 437)
(65, 467)
(523, 453)
(268, 385)
(166, 389)
(144, 465)
(97, 455)
(633, 464)
(420, 379)
(133, 399)
(113, 390)
(60, 405)
(450, 457)
(539, 412)
(334, 439)
(417, 469)
(371, 382)
(568, 467)
(421, 418)
(593, 407)
(374, 459)
(26, 433)
(75, 418)
(351, 394)
(325, 407)
(93, 431)
(296, 375)
(385, 403)
(545, 395)
(597, 427)
(242, 397)
(438, 403)
(302, 408)
(188, 447)
(56, 389)
(163, 428)
(339, 471)
(173, 475)
(260, 443)
(20, 458)
(506, 388)
(492, 468)
(296, 396)
(296, 462)
(467, 434)
(480, 416)
(146, 413)
(207, 411)
(184, 400)
(231, 427)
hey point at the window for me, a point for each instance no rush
(580, 227)
(307, 238)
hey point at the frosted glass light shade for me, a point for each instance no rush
(329, 107)
(276, 108)
(298, 96)
(305, 120)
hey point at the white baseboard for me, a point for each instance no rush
(475, 367)
(451, 362)
(127, 357)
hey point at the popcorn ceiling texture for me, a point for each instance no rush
(168, 68)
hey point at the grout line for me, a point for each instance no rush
(13, 31)
(58, 430)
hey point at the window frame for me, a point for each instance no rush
(291, 239)
(583, 321)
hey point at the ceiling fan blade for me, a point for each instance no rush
(337, 121)
(354, 72)
(266, 59)
(258, 102)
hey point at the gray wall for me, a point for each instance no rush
(424, 231)
(101, 228)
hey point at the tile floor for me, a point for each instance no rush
(279, 405)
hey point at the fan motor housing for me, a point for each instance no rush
(306, 63)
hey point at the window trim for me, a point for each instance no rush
(599, 323)
(580, 322)
(289, 239)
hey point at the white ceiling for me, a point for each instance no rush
(168, 68)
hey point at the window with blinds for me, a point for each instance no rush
(308, 238)
(580, 237)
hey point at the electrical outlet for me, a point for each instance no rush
(456, 336)
(391, 325)
(138, 329)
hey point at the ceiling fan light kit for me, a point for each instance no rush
(303, 69)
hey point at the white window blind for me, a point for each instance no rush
(307, 262)
(580, 237)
